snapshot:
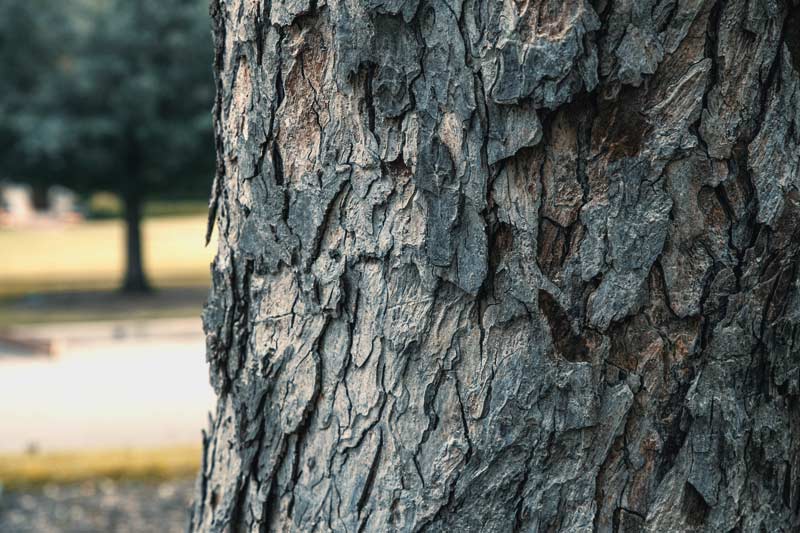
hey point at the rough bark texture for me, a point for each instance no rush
(514, 265)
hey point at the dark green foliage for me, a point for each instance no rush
(141, 99)
(112, 95)
(38, 43)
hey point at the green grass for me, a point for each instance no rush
(22, 471)
(72, 273)
(182, 208)
(90, 256)
(105, 205)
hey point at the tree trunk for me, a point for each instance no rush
(505, 266)
(135, 278)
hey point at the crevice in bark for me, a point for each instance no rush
(431, 391)
(722, 197)
(333, 205)
(674, 420)
(796, 504)
(235, 522)
(270, 505)
(694, 506)
(792, 35)
(371, 474)
(769, 85)
(519, 497)
(586, 104)
(501, 241)
(569, 344)
(465, 425)
(241, 292)
(620, 130)
(368, 99)
(279, 89)
(625, 520)
(553, 245)
(261, 23)
(277, 165)
(709, 51)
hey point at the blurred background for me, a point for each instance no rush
(106, 162)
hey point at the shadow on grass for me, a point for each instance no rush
(91, 306)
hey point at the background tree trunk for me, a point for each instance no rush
(135, 278)
(505, 266)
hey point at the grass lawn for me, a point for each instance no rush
(19, 471)
(104, 205)
(90, 255)
(71, 273)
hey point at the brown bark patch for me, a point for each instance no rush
(550, 19)
(553, 244)
(502, 243)
(620, 128)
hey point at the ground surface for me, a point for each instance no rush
(105, 305)
(108, 385)
(98, 507)
(118, 381)
(90, 255)
(136, 385)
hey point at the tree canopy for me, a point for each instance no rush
(107, 94)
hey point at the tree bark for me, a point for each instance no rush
(135, 278)
(505, 266)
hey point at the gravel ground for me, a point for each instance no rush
(98, 507)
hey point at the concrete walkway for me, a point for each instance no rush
(108, 385)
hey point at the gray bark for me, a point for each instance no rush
(505, 266)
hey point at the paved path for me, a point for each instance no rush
(109, 385)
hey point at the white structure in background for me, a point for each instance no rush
(16, 204)
(17, 208)
(63, 202)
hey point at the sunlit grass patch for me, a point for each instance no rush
(20, 471)
(91, 255)
(103, 205)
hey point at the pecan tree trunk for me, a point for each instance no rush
(505, 265)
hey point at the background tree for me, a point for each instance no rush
(124, 106)
(505, 266)
(38, 42)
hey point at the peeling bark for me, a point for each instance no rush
(505, 266)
